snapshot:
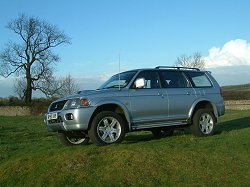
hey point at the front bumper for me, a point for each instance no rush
(69, 120)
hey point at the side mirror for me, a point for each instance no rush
(139, 83)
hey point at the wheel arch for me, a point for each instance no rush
(202, 104)
(114, 107)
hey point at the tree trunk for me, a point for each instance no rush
(28, 91)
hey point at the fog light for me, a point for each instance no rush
(69, 116)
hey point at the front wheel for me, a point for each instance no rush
(107, 128)
(69, 139)
(203, 123)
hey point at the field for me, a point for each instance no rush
(241, 87)
(236, 92)
(30, 156)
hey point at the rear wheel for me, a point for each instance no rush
(203, 123)
(70, 139)
(107, 128)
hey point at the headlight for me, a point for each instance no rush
(77, 102)
(84, 102)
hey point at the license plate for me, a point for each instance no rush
(52, 116)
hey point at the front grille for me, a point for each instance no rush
(57, 106)
(58, 120)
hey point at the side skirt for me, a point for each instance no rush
(150, 125)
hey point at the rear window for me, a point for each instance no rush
(199, 79)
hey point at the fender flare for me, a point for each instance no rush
(192, 109)
(119, 104)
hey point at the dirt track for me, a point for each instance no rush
(238, 104)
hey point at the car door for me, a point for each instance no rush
(180, 94)
(149, 103)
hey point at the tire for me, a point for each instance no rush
(107, 128)
(162, 132)
(69, 139)
(203, 123)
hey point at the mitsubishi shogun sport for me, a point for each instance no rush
(158, 99)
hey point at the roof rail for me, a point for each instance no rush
(174, 67)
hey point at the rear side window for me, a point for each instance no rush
(174, 79)
(199, 79)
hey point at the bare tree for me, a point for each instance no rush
(32, 57)
(53, 87)
(49, 86)
(69, 86)
(193, 61)
(20, 87)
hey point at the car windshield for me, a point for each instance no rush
(115, 82)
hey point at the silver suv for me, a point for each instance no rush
(158, 99)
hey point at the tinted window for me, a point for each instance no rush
(199, 79)
(174, 79)
(117, 81)
(151, 79)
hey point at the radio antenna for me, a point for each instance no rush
(119, 69)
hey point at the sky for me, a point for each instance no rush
(146, 33)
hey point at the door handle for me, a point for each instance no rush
(188, 93)
(160, 94)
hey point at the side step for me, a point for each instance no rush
(138, 126)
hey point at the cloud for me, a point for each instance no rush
(233, 53)
(92, 82)
(231, 75)
(106, 75)
(85, 83)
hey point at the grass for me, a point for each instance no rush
(31, 156)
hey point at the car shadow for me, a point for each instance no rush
(233, 125)
(136, 137)
(226, 126)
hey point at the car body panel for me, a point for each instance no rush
(142, 108)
